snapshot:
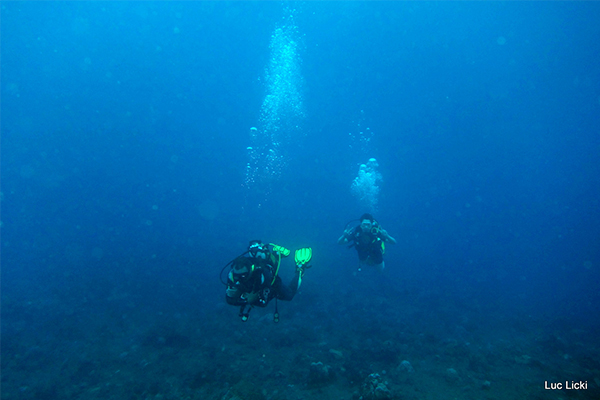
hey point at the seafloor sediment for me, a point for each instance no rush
(365, 340)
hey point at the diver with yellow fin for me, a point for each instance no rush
(254, 281)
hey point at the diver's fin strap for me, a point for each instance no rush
(303, 256)
(280, 249)
(243, 313)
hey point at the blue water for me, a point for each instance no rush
(125, 128)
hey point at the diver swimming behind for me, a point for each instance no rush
(369, 239)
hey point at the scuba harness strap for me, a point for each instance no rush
(277, 268)
(280, 250)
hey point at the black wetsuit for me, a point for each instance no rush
(257, 289)
(368, 244)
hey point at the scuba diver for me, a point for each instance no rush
(369, 240)
(253, 279)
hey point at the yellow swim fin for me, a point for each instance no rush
(280, 249)
(303, 256)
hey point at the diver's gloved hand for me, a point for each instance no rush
(301, 268)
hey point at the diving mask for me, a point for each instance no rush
(258, 250)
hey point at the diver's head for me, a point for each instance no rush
(366, 225)
(366, 222)
(240, 273)
(257, 249)
(367, 216)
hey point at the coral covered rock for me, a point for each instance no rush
(374, 388)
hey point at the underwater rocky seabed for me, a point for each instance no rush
(108, 341)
